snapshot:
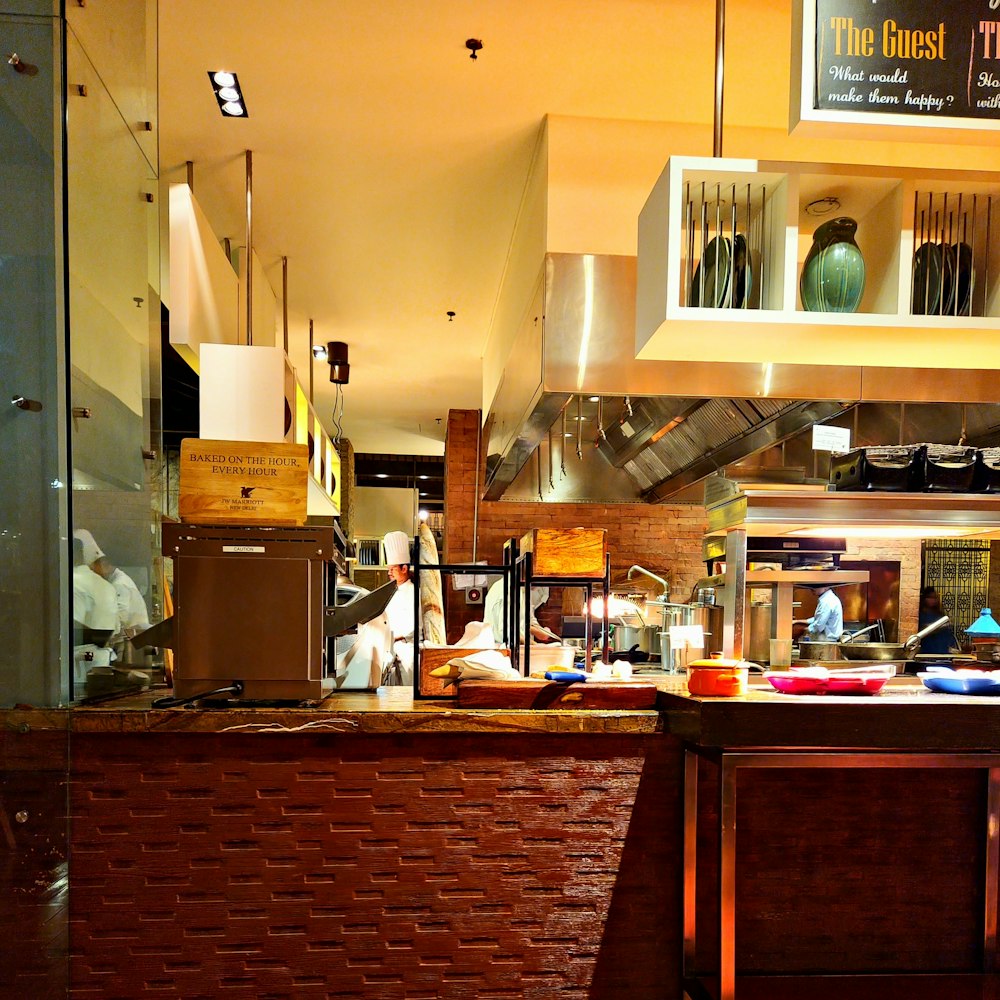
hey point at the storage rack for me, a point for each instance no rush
(525, 577)
(506, 573)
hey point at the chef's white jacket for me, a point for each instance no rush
(132, 613)
(400, 614)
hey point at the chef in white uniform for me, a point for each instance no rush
(95, 615)
(133, 616)
(399, 610)
(494, 612)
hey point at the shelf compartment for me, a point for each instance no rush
(724, 207)
(875, 203)
(945, 225)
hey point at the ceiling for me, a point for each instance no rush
(389, 167)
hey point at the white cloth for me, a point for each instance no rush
(132, 613)
(95, 603)
(488, 665)
(828, 622)
(494, 610)
(91, 550)
(397, 548)
(361, 665)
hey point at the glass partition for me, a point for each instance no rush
(114, 319)
(34, 608)
(34, 525)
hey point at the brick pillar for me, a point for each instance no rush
(460, 484)
(346, 450)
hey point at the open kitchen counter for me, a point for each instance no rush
(904, 716)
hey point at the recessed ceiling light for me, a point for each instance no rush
(595, 399)
(381, 475)
(568, 434)
(226, 87)
(423, 477)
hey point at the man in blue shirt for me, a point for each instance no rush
(827, 624)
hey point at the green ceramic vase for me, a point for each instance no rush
(833, 275)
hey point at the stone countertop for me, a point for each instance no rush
(385, 711)
(905, 716)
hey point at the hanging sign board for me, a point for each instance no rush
(243, 482)
(829, 438)
(898, 62)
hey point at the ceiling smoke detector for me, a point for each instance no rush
(473, 45)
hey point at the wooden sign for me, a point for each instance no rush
(243, 482)
(899, 62)
(567, 551)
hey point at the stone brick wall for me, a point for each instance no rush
(664, 538)
(385, 868)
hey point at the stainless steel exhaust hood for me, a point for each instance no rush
(660, 432)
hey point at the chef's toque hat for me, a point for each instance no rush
(397, 548)
(91, 550)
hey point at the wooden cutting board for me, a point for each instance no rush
(549, 694)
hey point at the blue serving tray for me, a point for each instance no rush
(944, 684)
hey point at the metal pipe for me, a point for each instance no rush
(664, 587)
(249, 262)
(720, 62)
(284, 302)
(538, 470)
(312, 361)
(552, 484)
(562, 445)
(579, 426)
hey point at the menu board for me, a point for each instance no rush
(936, 59)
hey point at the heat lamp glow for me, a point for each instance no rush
(885, 531)
(617, 606)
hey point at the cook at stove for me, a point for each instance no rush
(827, 624)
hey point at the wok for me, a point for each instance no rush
(890, 650)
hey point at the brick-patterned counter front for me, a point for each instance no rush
(384, 867)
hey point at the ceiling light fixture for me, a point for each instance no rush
(226, 88)
(337, 358)
(381, 475)
(423, 477)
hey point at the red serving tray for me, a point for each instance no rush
(792, 683)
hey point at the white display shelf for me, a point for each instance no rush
(771, 326)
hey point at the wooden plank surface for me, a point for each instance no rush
(431, 659)
(243, 482)
(550, 694)
(567, 551)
